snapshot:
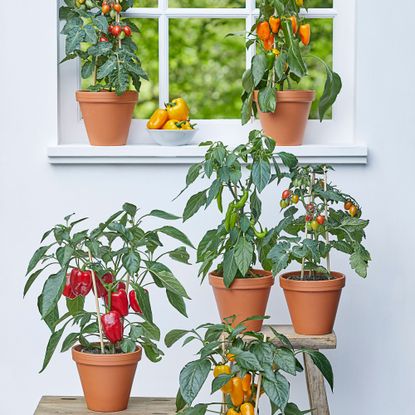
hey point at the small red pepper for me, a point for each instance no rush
(134, 303)
(121, 285)
(119, 302)
(67, 289)
(113, 326)
(107, 278)
(81, 282)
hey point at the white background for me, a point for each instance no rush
(374, 363)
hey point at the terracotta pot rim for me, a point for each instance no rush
(335, 284)
(306, 95)
(120, 359)
(267, 280)
(106, 97)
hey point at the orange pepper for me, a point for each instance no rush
(230, 357)
(246, 382)
(237, 393)
(263, 31)
(305, 34)
(247, 409)
(275, 23)
(158, 119)
(269, 43)
(294, 23)
(232, 411)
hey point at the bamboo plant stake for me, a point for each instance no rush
(325, 213)
(94, 286)
(306, 230)
(258, 391)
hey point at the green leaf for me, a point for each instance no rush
(280, 66)
(180, 402)
(151, 330)
(128, 346)
(267, 99)
(87, 69)
(31, 280)
(332, 88)
(261, 174)
(230, 267)
(292, 409)
(248, 81)
(173, 336)
(244, 251)
(176, 234)
(359, 261)
(194, 204)
(199, 409)
(107, 67)
(220, 381)
(180, 255)
(193, 173)
(259, 67)
(248, 360)
(90, 34)
(323, 365)
(130, 209)
(169, 281)
(163, 215)
(52, 318)
(73, 40)
(37, 256)
(288, 159)
(51, 347)
(100, 49)
(101, 23)
(192, 378)
(295, 60)
(52, 291)
(246, 111)
(131, 262)
(177, 302)
(278, 390)
(285, 359)
(64, 255)
(70, 340)
(143, 300)
(75, 305)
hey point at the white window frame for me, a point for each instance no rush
(337, 131)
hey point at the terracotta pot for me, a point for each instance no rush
(287, 124)
(245, 298)
(107, 116)
(312, 304)
(106, 378)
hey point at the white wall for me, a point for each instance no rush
(374, 362)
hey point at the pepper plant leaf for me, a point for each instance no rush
(176, 234)
(192, 378)
(51, 347)
(323, 365)
(332, 89)
(277, 390)
(194, 204)
(261, 174)
(244, 251)
(177, 302)
(52, 291)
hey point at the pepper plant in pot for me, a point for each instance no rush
(235, 245)
(318, 219)
(98, 285)
(103, 41)
(244, 366)
(282, 40)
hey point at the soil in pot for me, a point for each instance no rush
(287, 124)
(107, 116)
(245, 298)
(312, 303)
(106, 378)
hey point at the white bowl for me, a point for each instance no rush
(172, 137)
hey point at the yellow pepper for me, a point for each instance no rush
(221, 370)
(172, 125)
(237, 393)
(187, 125)
(299, 3)
(247, 409)
(232, 411)
(178, 109)
(158, 119)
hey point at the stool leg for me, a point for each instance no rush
(316, 388)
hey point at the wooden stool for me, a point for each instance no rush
(315, 381)
(62, 405)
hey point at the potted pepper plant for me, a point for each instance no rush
(282, 40)
(98, 35)
(116, 263)
(313, 226)
(245, 366)
(235, 245)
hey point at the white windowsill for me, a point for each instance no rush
(154, 154)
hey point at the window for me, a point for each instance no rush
(185, 51)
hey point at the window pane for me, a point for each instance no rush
(319, 3)
(321, 46)
(207, 3)
(206, 66)
(147, 42)
(145, 3)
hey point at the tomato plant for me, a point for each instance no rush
(259, 367)
(280, 27)
(237, 242)
(325, 219)
(97, 34)
(115, 261)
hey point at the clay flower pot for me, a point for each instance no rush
(106, 378)
(287, 124)
(107, 116)
(312, 304)
(245, 298)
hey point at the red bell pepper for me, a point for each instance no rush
(81, 282)
(113, 326)
(121, 285)
(119, 302)
(134, 303)
(67, 289)
(107, 278)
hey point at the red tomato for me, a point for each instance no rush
(321, 219)
(286, 194)
(127, 31)
(117, 7)
(116, 30)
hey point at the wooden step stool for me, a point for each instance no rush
(167, 406)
